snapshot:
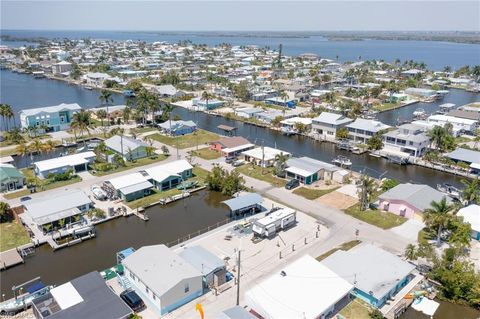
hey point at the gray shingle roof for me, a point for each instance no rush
(417, 195)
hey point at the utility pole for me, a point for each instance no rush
(263, 155)
(238, 278)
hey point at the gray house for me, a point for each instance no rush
(128, 148)
(212, 268)
(164, 280)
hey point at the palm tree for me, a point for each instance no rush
(471, 192)
(206, 97)
(4, 209)
(36, 146)
(411, 252)
(127, 111)
(366, 190)
(437, 216)
(101, 114)
(280, 160)
(142, 99)
(7, 114)
(105, 98)
(153, 106)
(437, 136)
(48, 147)
(81, 122)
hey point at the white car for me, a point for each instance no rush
(98, 192)
(238, 163)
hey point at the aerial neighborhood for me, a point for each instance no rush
(235, 181)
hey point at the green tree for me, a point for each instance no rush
(342, 133)
(411, 252)
(471, 192)
(241, 91)
(280, 164)
(366, 191)
(206, 97)
(438, 216)
(376, 314)
(276, 121)
(4, 210)
(102, 115)
(106, 98)
(81, 122)
(375, 142)
(389, 184)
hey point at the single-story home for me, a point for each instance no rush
(471, 215)
(248, 112)
(376, 274)
(231, 146)
(57, 211)
(308, 170)
(264, 156)
(163, 279)
(291, 124)
(212, 104)
(10, 178)
(178, 127)
(86, 297)
(130, 187)
(127, 147)
(290, 103)
(470, 157)
(76, 162)
(409, 200)
(304, 289)
(212, 268)
(166, 176)
(169, 90)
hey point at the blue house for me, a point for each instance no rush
(53, 118)
(291, 104)
(178, 127)
(376, 274)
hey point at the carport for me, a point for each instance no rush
(244, 204)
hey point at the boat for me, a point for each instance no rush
(288, 131)
(128, 93)
(342, 161)
(419, 113)
(449, 190)
(187, 185)
(397, 159)
(446, 106)
(14, 305)
(344, 146)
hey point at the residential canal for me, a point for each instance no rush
(446, 310)
(166, 224)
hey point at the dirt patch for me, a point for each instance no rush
(337, 200)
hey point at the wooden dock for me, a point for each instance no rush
(10, 258)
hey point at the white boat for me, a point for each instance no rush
(419, 112)
(98, 192)
(446, 106)
(14, 305)
(342, 161)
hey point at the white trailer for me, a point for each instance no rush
(269, 225)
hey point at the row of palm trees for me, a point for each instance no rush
(7, 115)
(35, 147)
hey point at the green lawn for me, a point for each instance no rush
(311, 193)
(356, 309)
(256, 172)
(129, 165)
(42, 184)
(375, 217)
(345, 246)
(207, 153)
(13, 234)
(185, 141)
(199, 174)
(145, 129)
(386, 106)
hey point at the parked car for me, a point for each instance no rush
(25, 198)
(132, 300)
(98, 192)
(229, 160)
(291, 184)
(238, 163)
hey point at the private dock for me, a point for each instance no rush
(10, 258)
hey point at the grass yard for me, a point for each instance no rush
(345, 246)
(199, 174)
(387, 106)
(145, 129)
(311, 193)
(356, 309)
(42, 184)
(185, 141)
(13, 234)
(375, 217)
(129, 165)
(206, 153)
(256, 172)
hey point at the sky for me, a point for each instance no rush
(242, 15)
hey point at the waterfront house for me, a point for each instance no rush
(10, 178)
(248, 112)
(96, 79)
(57, 211)
(163, 279)
(292, 124)
(471, 157)
(166, 176)
(466, 114)
(419, 92)
(212, 268)
(304, 289)
(86, 297)
(407, 138)
(130, 187)
(178, 127)
(327, 124)
(128, 148)
(61, 67)
(212, 104)
(76, 163)
(308, 170)
(361, 130)
(376, 274)
(471, 215)
(169, 90)
(459, 125)
(49, 118)
(279, 101)
(264, 156)
(409, 200)
(269, 116)
(231, 146)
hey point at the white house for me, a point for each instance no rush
(458, 124)
(361, 130)
(130, 187)
(76, 162)
(166, 176)
(264, 156)
(471, 215)
(327, 124)
(408, 138)
(163, 279)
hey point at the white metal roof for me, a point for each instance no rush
(307, 291)
(270, 153)
(51, 109)
(471, 215)
(237, 148)
(62, 161)
(127, 180)
(66, 295)
(160, 172)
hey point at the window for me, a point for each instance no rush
(329, 133)
(132, 276)
(146, 290)
(411, 143)
(187, 287)
(154, 297)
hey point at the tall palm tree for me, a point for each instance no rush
(366, 190)
(23, 150)
(106, 98)
(437, 136)
(81, 123)
(48, 147)
(438, 216)
(206, 97)
(7, 114)
(280, 160)
(143, 99)
(153, 106)
(101, 114)
(127, 112)
(410, 252)
(471, 192)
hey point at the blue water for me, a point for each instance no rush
(434, 53)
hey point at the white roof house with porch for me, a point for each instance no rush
(264, 156)
(130, 187)
(327, 124)
(361, 130)
(308, 170)
(166, 176)
(304, 289)
(76, 162)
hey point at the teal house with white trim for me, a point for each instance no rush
(50, 118)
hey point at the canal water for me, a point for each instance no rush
(446, 310)
(44, 92)
(166, 224)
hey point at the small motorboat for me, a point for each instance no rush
(342, 161)
(419, 113)
(449, 190)
(397, 159)
(187, 185)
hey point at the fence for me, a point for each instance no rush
(198, 232)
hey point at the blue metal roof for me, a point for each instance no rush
(243, 201)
